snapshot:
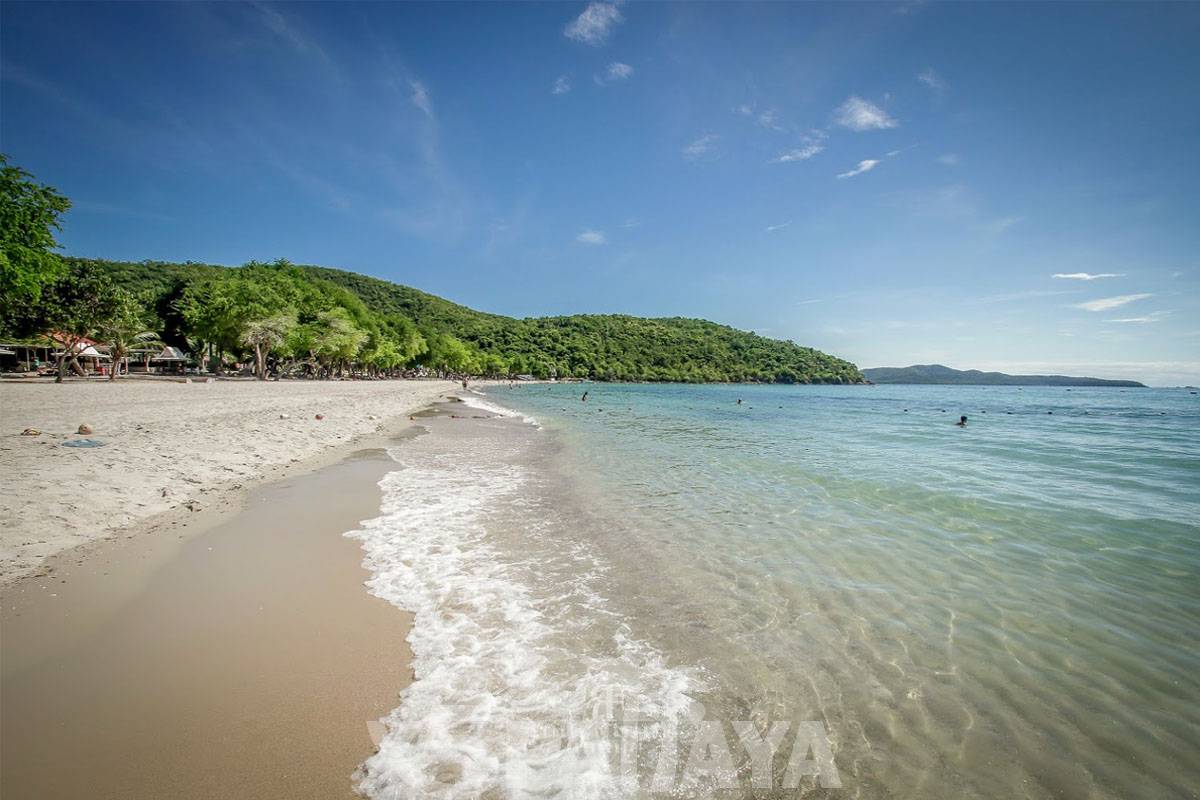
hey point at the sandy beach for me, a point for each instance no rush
(167, 446)
(227, 651)
(240, 658)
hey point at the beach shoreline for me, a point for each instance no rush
(232, 653)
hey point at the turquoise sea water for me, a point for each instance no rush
(1006, 609)
(1009, 609)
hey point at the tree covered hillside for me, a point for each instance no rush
(603, 347)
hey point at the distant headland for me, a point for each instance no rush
(938, 374)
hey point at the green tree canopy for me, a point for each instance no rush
(29, 215)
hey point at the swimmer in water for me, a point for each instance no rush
(584, 398)
(962, 422)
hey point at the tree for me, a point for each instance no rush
(264, 335)
(221, 310)
(337, 338)
(125, 327)
(78, 303)
(384, 356)
(448, 354)
(29, 215)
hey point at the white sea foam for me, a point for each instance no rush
(510, 644)
(475, 400)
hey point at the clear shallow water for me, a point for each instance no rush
(1009, 609)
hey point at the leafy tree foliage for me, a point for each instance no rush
(126, 325)
(29, 215)
(80, 302)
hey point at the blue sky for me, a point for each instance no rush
(894, 183)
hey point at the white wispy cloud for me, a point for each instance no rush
(590, 237)
(799, 154)
(616, 71)
(931, 79)
(1155, 316)
(282, 27)
(909, 7)
(859, 115)
(998, 226)
(420, 97)
(949, 160)
(595, 24)
(769, 119)
(780, 226)
(1087, 276)
(562, 85)
(866, 165)
(701, 147)
(1109, 303)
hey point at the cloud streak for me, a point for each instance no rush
(1086, 276)
(1109, 303)
(420, 97)
(562, 85)
(595, 24)
(282, 27)
(798, 154)
(859, 115)
(866, 165)
(592, 238)
(616, 72)
(931, 79)
(700, 148)
(1156, 316)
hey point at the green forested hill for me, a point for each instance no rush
(603, 347)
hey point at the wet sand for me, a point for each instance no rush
(232, 654)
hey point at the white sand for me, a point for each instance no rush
(191, 440)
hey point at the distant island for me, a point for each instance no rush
(938, 374)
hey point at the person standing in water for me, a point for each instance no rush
(584, 398)
(962, 421)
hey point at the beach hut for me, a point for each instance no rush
(170, 359)
(92, 359)
(26, 357)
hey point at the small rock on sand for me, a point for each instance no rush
(320, 416)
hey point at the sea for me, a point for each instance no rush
(795, 591)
